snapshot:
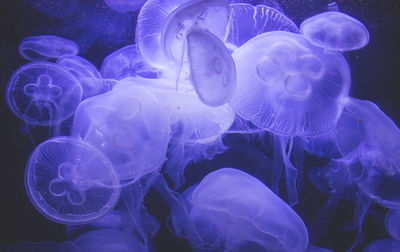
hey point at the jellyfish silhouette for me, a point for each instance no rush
(335, 30)
(71, 182)
(42, 93)
(392, 221)
(129, 125)
(44, 47)
(124, 5)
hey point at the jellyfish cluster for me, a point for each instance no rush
(202, 75)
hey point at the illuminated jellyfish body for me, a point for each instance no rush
(129, 125)
(125, 62)
(247, 21)
(42, 93)
(335, 30)
(212, 68)
(55, 8)
(234, 211)
(124, 5)
(45, 47)
(196, 128)
(387, 245)
(392, 223)
(162, 26)
(291, 88)
(105, 240)
(71, 182)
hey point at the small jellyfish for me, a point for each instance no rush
(234, 211)
(126, 62)
(42, 93)
(212, 69)
(247, 21)
(129, 125)
(392, 223)
(79, 67)
(162, 26)
(71, 182)
(45, 47)
(55, 8)
(124, 5)
(387, 245)
(335, 30)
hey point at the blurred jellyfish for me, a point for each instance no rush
(387, 245)
(332, 6)
(124, 5)
(129, 125)
(79, 67)
(125, 62)
(392, 223)
(233, 211)
(247, 21)
(162, 26)
(42, 93)
(44, 47)
(335, 30)
(55, 8)
(212, 69)
(71, 182)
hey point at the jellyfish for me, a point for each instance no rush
(162, 26)
(45, 47)
(129, 125)
(55, 8)
(392, 223)
(212, 69)
(71, 182)
(124, 5)
(79, 67)
(126, 62)
(387, 245)
(247, 21)
(335, 30)
(42, 93)
(95, 86)
(234, 211)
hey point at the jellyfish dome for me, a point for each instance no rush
(392, 223)
(43, 93)
(288, 86)
(162, 26)
(335, 30)
(71, 182)
(129, 125)
(230, 205)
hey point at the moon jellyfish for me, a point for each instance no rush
(162, 26)
(126, 62)
(129, 125)
(212, 68)
(106, 240)
(55, 8)
(45, 47)
(335, 30)
(387, 245)
(79, 67)
(124, 5)
(95, 86)
(233, 210)
(392, 223)
(290, 87)
(247, 21)
(42, 93)
(71, 182)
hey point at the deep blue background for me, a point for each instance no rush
(375, 76)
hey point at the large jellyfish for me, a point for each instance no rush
(392, 223)
(162, 26)
(335, 30)
(44, 47)
(129, 125)
(43, 93)
(71, 182)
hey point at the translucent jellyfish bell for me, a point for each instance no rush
(42, 93)
(45, 47)
(392, 223)
(335, 30)
(288, 86)
(212, 68)
(234, 208)
(247, 21)
(162, 27)
(129, 125)
(71, 182)
(124, 5)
